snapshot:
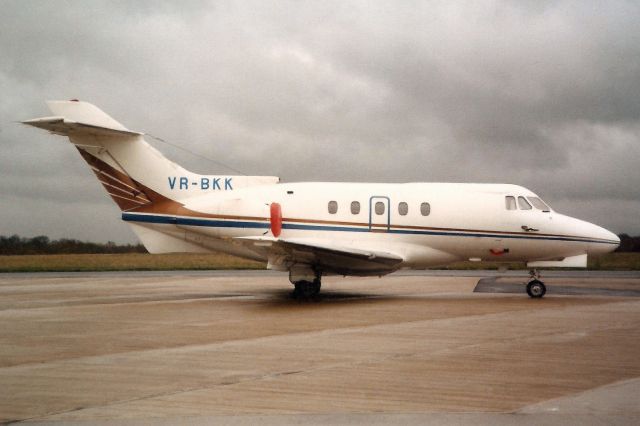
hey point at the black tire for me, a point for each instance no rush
(306, 289)
(536, 289)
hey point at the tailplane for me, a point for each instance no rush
(135, 174)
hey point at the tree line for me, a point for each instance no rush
(628, 243)
(15, 245)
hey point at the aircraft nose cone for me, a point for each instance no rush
(608, 235)
(610, 241)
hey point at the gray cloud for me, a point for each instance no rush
(543, 94)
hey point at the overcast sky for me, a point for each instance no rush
(541, 94)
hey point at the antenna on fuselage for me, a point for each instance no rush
(195, 154)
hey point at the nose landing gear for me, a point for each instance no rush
(535, 287)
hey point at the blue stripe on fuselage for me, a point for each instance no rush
(188, 221)
(149, 218)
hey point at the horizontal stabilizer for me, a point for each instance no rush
(79, 118)
(129, 168)
(65, 127)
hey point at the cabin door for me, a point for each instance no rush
(379, 214)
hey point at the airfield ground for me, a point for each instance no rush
(233, 346)
(220, 261)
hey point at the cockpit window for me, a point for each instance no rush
(539, 204)
(524, 204)
(510, 202)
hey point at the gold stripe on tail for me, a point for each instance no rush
(124, 191)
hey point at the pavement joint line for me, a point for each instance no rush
(344, 330)
(339, 331)
(615, 384)
(187, 298)
(565, 323)
(156, 301)
(256, 378)
(371, 360)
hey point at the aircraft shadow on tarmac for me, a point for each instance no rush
(286, 298)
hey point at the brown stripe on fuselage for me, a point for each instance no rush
(427, 228)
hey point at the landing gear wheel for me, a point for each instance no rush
(306, 289)
(536, 289)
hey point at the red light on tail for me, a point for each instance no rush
(276, 219)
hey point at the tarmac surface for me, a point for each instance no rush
(234, 347)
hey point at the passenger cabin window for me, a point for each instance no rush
(379, 208)
(510, 202)
(524, 204)
(355, 207)
(539, 204)
(333, 207)
(425, 209)
(403, 208)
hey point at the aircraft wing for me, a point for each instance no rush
(324, 255)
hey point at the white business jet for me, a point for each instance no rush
(312, 229)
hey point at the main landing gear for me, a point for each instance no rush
(535, 287)
(306, 282)
(306, 289)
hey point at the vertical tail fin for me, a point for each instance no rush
(133, 172)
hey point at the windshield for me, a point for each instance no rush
(539, 204)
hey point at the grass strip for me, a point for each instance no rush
(123, 262)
